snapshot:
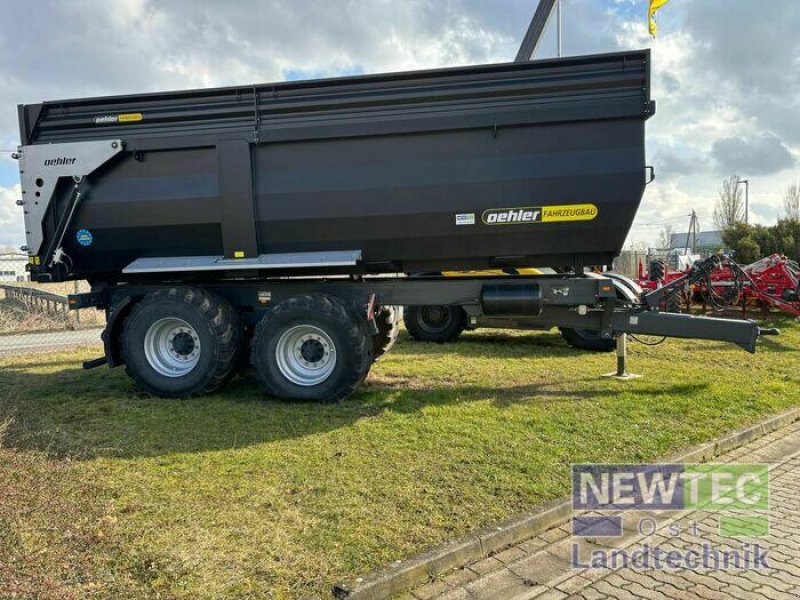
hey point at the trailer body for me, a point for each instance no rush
(474, 167)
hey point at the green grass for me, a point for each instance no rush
(236, 496)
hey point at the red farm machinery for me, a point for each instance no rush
(771, 282)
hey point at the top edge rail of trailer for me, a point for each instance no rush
(595, 76)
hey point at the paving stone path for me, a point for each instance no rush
(541, 567)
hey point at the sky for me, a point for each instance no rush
(725, 73)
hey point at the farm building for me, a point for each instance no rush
(12, 267)
(704, 241)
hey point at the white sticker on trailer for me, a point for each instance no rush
(465, 219)
(634, 320)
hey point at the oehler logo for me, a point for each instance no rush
(506, 216)
(120, 118)
(522, 215)
(54, 162)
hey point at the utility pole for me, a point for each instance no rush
(544, 10)
(746, 183)
(692, 233)
(558, 31)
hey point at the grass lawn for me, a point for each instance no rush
(104, 493)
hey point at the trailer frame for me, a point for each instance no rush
(595, 303)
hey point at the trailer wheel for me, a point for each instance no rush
(312, 347)
(180, 342)
(388, 321)
(587, 340)
(438, 324)
(674, 303)
(657, 271)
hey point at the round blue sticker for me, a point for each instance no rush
(85, 237)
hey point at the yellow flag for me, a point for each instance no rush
(654, 6)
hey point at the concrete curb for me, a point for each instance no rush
(406, 574)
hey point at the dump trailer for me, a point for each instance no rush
(277, 224)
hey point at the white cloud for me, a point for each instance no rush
(725, 80)
(721, 70)
(86, 48)
(764, 154)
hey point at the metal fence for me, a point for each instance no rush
(35, 318)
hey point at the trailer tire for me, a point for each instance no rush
(673, 303)
(388, 321)
(443, 325)
(312, 347)
(180, 342)
(657, 271)
(584, 339)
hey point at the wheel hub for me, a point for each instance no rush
(435, 318)
(172, 347)
(183, 344)
(305, 355)
(312, 350)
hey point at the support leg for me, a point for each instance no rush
(622, 357)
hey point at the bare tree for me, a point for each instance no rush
(665, 237)
(730, 204)
(791, 202)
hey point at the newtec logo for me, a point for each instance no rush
(741, 491)
(670, 487)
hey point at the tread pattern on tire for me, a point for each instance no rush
(657, 271)
(673, 303)
(358, 352)
(574, 338)
(388, 320)
(225, 327)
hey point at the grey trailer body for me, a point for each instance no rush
(279, 222)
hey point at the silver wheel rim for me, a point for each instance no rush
(172, 347)
(306, 355)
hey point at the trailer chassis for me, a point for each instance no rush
(593, 303)
(545, 301)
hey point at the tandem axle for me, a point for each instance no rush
(317, 338)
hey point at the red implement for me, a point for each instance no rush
(772, 281)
